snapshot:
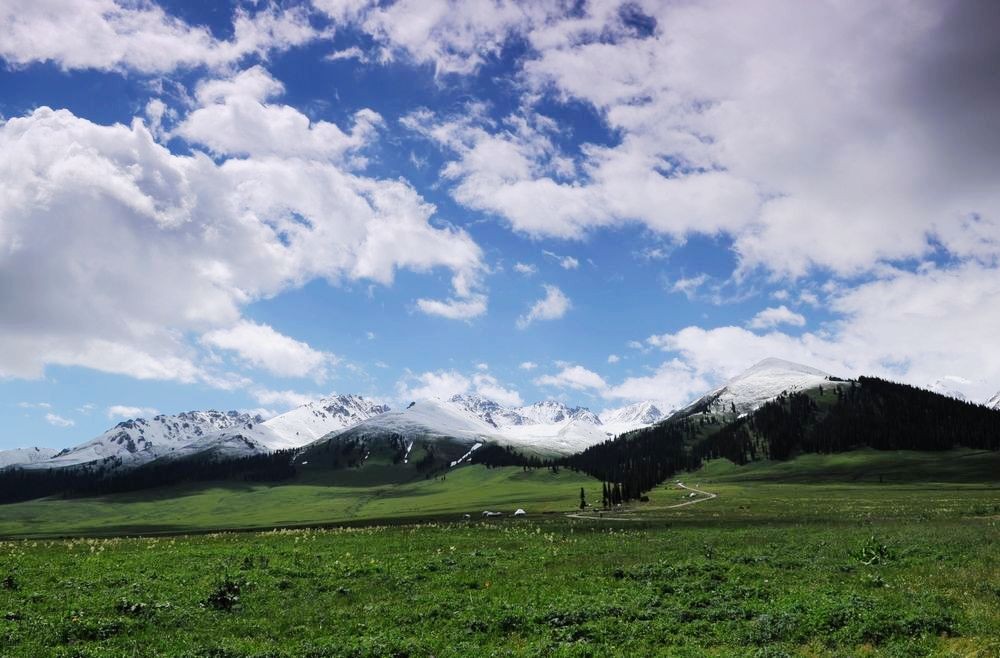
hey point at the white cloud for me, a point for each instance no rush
(113, 250)
(689, 286)
(138, 36)
(777, 315)
(574, 377)
(565, 262)
(453, 37)
(807, 161)
(491, 389)
(614, 358)
(482, 366)
(348, 53)
(260, 346)
(672, 385)
(525, 269)
(124, 411)
(370, 335)
(443, 384)
(454, 309)
(912, 326)
(233, 118)
(286, 399)
(553, 306)
(34, 405)
(58, 421)
(528, 365)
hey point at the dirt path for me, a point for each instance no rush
(707, 495)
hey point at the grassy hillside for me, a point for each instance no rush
(864, 465)
(766, 569)
(376, 491)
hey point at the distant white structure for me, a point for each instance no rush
(520, 512)
(489, 513)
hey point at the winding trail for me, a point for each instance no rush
(707, 495)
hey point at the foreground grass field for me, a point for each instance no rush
(771, 567)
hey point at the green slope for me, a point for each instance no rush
(864, 466)
(372, 493)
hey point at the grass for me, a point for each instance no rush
(774, 566)
(374, 492)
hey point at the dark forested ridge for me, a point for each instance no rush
(26, 484)
(869, 413)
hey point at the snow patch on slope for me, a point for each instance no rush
(21, 456)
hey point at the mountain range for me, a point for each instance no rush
(545, 429)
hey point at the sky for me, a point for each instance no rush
(247, 205)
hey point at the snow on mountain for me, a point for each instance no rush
(951, 386)
(994, 402)
(550, 411)
(562, 438)
(429, 419)
(221, 435)
(761, 383)
(490, 412)
(138, 441)
(631, 417)
(309, 422)
(20, 456)
(548, 428)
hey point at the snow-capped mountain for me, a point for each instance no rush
(950, 386)
(219, 434)
(140, 440)
(309, 422)
(19, 456)
(490, 412)
(994, 402)
(761, 383)
(546, 428)
(550, 411)
(631, 417)
(428, 419)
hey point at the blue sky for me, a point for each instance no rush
(247, 205)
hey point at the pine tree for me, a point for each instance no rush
(583, 499)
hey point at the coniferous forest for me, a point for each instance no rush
(869, 413)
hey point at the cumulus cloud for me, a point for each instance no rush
(125, 411)
(776, 315)
(233, 118)
(113, 249)
(286, 399)
(806, 160)
(489, 387)
(261, 346)
(565, 262)
(553, 306)
(58, 421)
(528, 365)
(443, 384)
(614, 358)
(912, 326)
(525, 268)
(672, 384)
(453, 37)
(454, 309)
(574, 377)
(138, 36)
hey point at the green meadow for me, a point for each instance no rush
(837, 563)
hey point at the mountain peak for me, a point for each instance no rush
(761, 383)
(775, 364)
